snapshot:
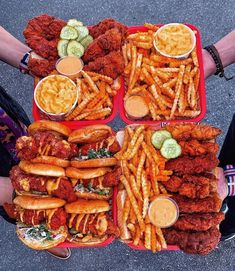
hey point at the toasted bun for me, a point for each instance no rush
(86, 174)
(24, 193)
(47, 125)
(124, 232)
(42, 169)
(82, 206)
(92, 163)
(59, 236)
(92, 242)
(51, 161)
(90, 134)
(38, 203)
(87, 195)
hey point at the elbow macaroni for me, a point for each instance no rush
(174, 40)
(56, 95)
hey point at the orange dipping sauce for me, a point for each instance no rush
(163, 212)
(69, 66)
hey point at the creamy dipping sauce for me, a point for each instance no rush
(163, 212)
(69, 65)
(136, 107)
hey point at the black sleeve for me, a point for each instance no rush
(6, 160)
(5, 216)
(227, 153)
(13, 108)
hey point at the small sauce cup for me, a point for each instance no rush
(167, 36)
(163, 212)
(69, 66)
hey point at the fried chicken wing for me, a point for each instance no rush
(111, 65)
(105, 25)
(193, 186)
(193, 131)
(198, 222)
(207, 205)
(201, 242)
(195, 148)
(41, 67)
(103, 45)
(192, 165)
(42, 34)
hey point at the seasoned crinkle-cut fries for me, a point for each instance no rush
(143, 170)
(169, 86)
(95, 96)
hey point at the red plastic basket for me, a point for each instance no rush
(202, 90)
(156, 126)
(38, 115)
(143, 248)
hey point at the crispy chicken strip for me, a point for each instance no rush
(195, 148)
(193, 165)
(201, 242)
(109, 23)
(111, 65)
(198, 222)
(193, 131)
(207, 205)
(193, 186)
(103, 45)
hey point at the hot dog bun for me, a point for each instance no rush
(90, 134)
(38, 203)
(82, 206)
(41, 169)
(47, 125)
(86, 174)
(59, 236)
(51, 161)
(93, 163)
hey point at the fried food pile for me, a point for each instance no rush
(170, 87)
(63, 185)
(143, 168)
(103, 54)
(42, 35)
(194, 189)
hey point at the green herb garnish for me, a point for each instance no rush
(89, 186)
(92, 154)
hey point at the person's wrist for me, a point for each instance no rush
(23, 65)
(229, 173)
(226, 49)
(209, 64)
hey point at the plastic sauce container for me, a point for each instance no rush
(163, 212)
(69, 66)
(174, 40)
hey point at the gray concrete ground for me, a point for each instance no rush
(214, 19)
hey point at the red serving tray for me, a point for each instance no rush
(202, 90)
(156, 126)
(38, 115)
(143, 248)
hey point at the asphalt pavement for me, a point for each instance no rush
(214, 19)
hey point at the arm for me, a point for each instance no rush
(11, 49)
(6, 190)
(226, 49)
